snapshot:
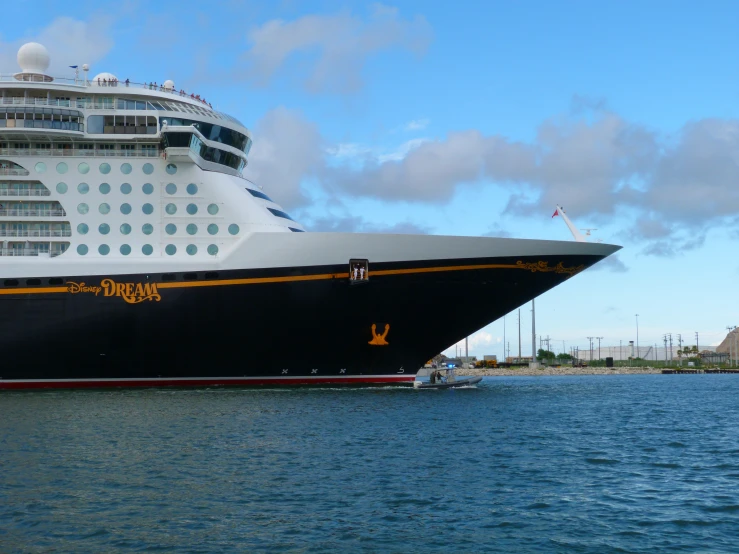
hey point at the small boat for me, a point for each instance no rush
(449, 381)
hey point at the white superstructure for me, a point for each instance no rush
(106, 171)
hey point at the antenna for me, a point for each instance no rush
(587, 231)
(575, 233)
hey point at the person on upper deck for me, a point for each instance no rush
(127, 82)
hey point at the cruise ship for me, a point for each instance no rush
(135, 253)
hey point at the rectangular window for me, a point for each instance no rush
(259, 194)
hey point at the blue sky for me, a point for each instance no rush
(474, 119)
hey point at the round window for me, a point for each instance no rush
(213, 209)
(192, 229)
(104, 168)
(104, 208)
(83, 167)
(212, 249)
(104, 228)
(83, 208)
(125, 228)
(104, 188)
(148, 188)
(126, 188)
(171, 188)
(61, 167)
(171, 169)
(212, 229)
(147, 228)
(61, 188)
(170, 229)
(125, 209)
(148, 209)
(233, 229)
(83, 188)
(82, 249)
(191, 249)
(82, 228)
(125, 249)
(170, 249)
(104, 249)
(192, 209)
(126, 168)
(192, 188)
(147, 249)
(40, 167)
(148, 168)
(171, 209)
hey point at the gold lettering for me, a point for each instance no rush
(132, 293)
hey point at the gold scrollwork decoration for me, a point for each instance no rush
(544, 267)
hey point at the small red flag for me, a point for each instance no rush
(556, 212)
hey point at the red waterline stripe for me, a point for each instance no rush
(126, 383)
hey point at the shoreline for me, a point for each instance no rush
(525, 371)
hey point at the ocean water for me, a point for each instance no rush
(542, 464)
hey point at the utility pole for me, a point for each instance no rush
(696, 341)
(504, 343)
(509, 350)
(533, 331)
(519, 335)
(665, 338)
(599, 339)
(466, 350)
(637, 335)
(680, 347)
(670, 335)
(590, 339)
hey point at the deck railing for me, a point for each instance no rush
(35, 233)
(32, 213)
(75, 153)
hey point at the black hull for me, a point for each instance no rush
(284, 326)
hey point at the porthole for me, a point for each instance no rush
(83, 188)
(82, 249)
(125, 209)
(125, 229)
(191, 229)
(213, 209)
(40, 167)
(170, 249)
(125, 249)
(82, 228)
(147, 249)
(191, 249)
(212, 249)
(171, 188)
(192, 188)
(212, 229)
(104, 208)
(147, 228)
(170, 229)
(104, 168)
(61, 188)
(61, 167)
(147, 209)
(148, 168)
(104, 188)
(233, 229)
(171, 209)
(148, 188)
(192, 209)
(104, 249)
(126, 168)
(171, 169)
(83, 208)
(126, 188)
(83, 167)
(104, 228)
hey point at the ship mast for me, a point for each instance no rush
(578, 236)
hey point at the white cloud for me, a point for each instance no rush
(331, 49)
(416, 125)
(69, 42)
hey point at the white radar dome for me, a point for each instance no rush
(33, 58)
(103, 77)
(168, 84)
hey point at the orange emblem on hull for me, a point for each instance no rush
(379, 340)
